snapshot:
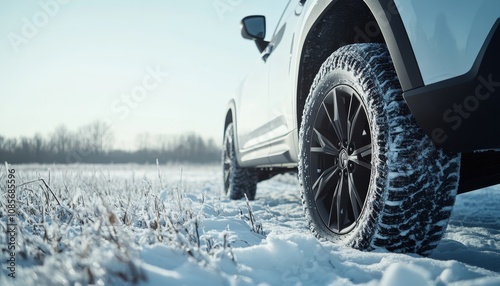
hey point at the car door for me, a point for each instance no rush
(281, 71)
(252, 109)
(254, 134)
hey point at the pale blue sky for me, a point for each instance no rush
(163, 67)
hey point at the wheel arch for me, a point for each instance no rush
(231, 118)
(229, 115)
(337, 23)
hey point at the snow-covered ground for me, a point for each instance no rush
(127, 224)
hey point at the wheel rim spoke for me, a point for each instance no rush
(362, 163)
(354, 196)
(352, 123)
(226, 178)
(228, 148)
(340, 115)
(359, 155)
(330, 118)
(327, 146)
(227, 158)
(334, 217)
(363, 151)
(339, 212)
(323, 181)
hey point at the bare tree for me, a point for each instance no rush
(38, 145)
(10, 144)
(61, 140)
(142, 141)
(93, 142)
(95, 137)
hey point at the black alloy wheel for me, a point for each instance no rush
(341, 151)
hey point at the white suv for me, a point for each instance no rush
(382, 105)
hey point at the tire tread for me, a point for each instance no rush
(415, 184)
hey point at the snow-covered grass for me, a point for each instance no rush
(167, 225)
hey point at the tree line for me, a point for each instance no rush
(93, 143)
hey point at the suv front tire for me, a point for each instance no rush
(370, 177)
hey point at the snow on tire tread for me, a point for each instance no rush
(414, 184)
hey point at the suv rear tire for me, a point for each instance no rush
(370, 177)
(238, 181)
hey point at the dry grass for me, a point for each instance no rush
(89, 227)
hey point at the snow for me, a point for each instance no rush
(132, 223)
(401, 274)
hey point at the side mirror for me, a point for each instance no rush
(254, 28)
